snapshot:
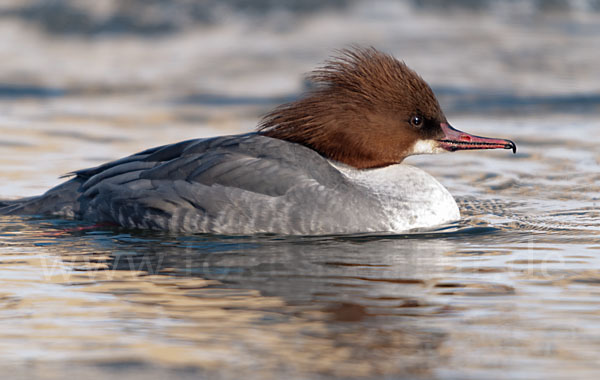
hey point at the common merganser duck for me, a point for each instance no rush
(328, 163)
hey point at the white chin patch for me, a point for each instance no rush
(426, 147)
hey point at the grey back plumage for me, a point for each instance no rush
(238, 184)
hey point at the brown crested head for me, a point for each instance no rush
(366, 109)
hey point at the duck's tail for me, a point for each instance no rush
(60, 200)
(7, 207)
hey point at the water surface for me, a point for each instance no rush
(510, 291)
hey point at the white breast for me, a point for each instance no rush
(409, 197)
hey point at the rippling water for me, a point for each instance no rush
(510, 291)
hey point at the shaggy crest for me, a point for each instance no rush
(359, 108)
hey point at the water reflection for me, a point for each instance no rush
(430, 303)
(330, 306)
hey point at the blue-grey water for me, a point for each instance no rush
(511, 291)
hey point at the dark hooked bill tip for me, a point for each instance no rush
(511, 145)
(456, 140)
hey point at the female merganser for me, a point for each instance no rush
(328, 163)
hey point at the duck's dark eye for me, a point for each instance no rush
(416, 121)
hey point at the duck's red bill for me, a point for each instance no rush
(456, 140)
